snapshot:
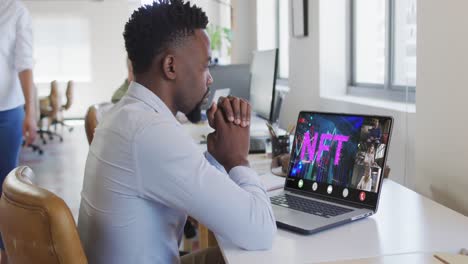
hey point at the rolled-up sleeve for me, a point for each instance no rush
(214, 162)
(24, 42)
(175, 172)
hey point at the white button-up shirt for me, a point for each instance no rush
(144, 175)
(15, 51)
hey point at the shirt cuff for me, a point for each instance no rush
(24, 64)
(214, 162)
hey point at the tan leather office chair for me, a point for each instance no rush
(36, 225)
(69, 95)
(92, 117)
(90, 123)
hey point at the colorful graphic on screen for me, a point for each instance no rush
(340, 150)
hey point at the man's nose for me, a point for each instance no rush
(210, 80)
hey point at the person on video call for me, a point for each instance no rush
(365, 183)
(144, 173)
(374, 133)
(369, 156)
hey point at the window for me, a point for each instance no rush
(62, 49)
(218, 28)
(146, 2)
(383, 49)
(283, 29)
(273, 31)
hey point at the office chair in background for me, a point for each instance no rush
(39, 227)
(49, 108)
(69, 95)
(92, 117)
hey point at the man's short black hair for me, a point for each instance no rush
(153, 28)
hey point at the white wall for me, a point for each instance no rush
(217, 11)
(266, 21)
(304, 81)
(244, 30)
(318, 79)
(333, 45)
(442, 120)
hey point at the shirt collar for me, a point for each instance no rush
(143, 94)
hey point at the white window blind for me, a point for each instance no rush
(62, 49)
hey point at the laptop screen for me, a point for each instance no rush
(339, 155)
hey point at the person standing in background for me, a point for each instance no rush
(17, 94)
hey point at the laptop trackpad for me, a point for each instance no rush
(299, 219)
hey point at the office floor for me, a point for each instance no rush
(61, 168)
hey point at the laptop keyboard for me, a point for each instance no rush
(309, 206)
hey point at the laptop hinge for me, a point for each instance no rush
(328, 199)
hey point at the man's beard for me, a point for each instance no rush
(194, 116)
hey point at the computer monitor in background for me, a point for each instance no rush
(236, 77)
(262, 83)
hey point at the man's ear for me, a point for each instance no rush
(168, 67)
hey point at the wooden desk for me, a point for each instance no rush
(405, 223)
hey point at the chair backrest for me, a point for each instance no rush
(90, 123)
(50, 105)
(69, 95)
(55, 99)
(36, 225)
(93, 116)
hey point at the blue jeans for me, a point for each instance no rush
(11, 137)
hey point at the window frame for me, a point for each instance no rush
(281, 80)
(388, 90)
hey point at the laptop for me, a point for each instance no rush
(335, 171)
